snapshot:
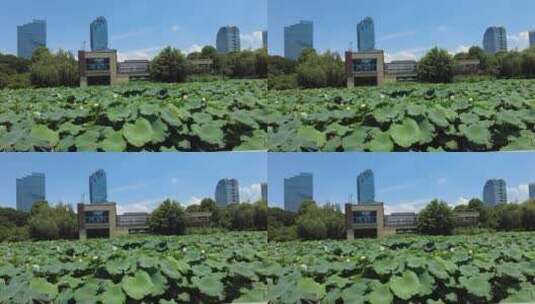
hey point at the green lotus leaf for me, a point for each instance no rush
(138, 134)
(381, 295)
(310, 133)
(113, 142)
(87, 294)
(478, 134)
(87, 141)
(406, 134)
(521, 296)
(438, 117)
(160, 131)
(138, 286)
(43, 133)
(405, 286)
(172, 115)
(210, 133)
(477, 285)
(381, 142)
(44, 290)
(308, 289)
(113, 295)
(356, 140)
(210, 286)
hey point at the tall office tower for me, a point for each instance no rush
(532, 191)
(30, 189)
(99, 34)
(228, 39)
(532, 39)
(495, 40)
(298, 189)
(98, 188)
(366, 187)
(30, 36)
(265, 39)
(264, 190)
(366, 35)
(495, 192)
(297, 38)
(227, 192)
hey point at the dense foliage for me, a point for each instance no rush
(488, 268)
(487, 116)
(214, 116)
(436, 66)
(436, 219)
(168, 219)
(53, 69)
(219, 268)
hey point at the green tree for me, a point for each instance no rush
(52, 70)
(168, 219)
(436, 219)
(310, 228)
(436, 66)
(528, 215)
(168, 66)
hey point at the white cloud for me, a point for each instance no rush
(250, 193)
(408, 54)
(193, 201)
(413, 206)
(460, 49)
(194, 48)
(251, 40)
(518, 194)
(397, 35)
(140, 206)
(460, 201)
(175, 28)
(146, 53)
(518, 41)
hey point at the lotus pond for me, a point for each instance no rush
(488, 268)
(220, 268)
(225, 115)
(483, 116)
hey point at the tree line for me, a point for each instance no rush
(313, 70)
(313, 222)
(46, 222)
(60, 69)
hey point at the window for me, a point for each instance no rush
(364, 65)
(97, 217)
(98, 64)
(365, 217)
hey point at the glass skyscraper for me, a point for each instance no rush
(495, 192)
(227, 192)
(532, 39)
(366, 187)
(495, 40)
(264, 190)
(30, 36)
(298, 189)
(297, 38)
(98, 188)
(99, 34)
(30, 189)
(532, 191)
(265, 39)
(366, 35)
(228, 39)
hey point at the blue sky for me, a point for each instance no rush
(137, 28)
(136, 181)
(404, 29)
(403, 181)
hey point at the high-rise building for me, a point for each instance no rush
(98, 188)
(532, 39)
(366, 187)
(30, 36)
(264, 190)
(366, 35)
(532, 191)
(30, 189)
(495, 192)
(495, 40)
(297, 38)
(99, 34)
(265, 39)
(227, 192)
(298, 189)
(228, 39)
